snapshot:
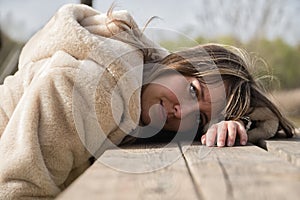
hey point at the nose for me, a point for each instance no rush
(181, 111)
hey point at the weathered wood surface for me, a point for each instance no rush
(200, 172)
(247, 172)
(287, 149)
(104, 182)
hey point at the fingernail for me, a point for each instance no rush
(229, 143)
(220, 144)
(209, 143)
(243, 142)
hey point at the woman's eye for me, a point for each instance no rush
(193, 90)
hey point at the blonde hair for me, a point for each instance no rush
(209, 61)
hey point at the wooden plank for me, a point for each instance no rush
(287, 149)
(101, 181)
(246, 172)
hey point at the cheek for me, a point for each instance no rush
(175, 95)
(145, 105)
(150, 96)
(173, 88)
(145, 117)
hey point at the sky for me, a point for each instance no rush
(243, 19)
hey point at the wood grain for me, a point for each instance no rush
(104, 182)
(247, 172)
(287, 149)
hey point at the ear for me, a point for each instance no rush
(266, 124)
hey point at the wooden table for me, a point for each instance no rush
(268, 171)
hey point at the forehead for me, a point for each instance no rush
(171, 78)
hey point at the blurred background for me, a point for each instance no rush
(268, 29)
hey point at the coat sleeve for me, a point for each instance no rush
(40, 147)
(266, 124)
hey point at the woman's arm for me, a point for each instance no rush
(40, 148)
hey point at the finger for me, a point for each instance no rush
(242, 133)
(203, 139)
(221, 134)
(232, 128)
(211, 136)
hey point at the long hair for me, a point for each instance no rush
(243, 92)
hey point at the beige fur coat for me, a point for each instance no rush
(75, 87)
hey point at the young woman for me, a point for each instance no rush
(241, 109)
(86, 81)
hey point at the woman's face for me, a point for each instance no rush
(179, 101)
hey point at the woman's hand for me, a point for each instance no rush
(225, 133)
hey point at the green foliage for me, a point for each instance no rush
(178, 44)
(282, 59)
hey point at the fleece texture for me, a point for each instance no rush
(76, 93)
(266, 124)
